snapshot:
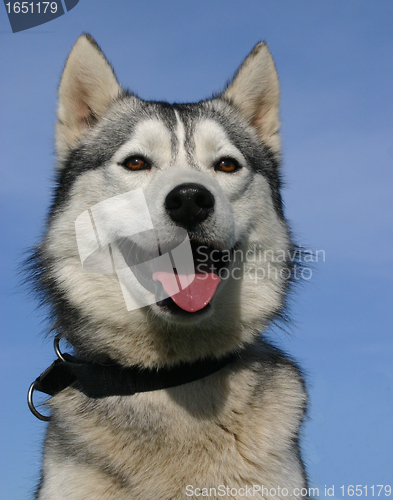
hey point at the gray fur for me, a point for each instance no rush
(238, 427)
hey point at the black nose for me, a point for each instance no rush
(189, 204)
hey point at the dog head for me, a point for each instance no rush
(166, 240)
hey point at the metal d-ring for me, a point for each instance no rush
(30, 403)
(33, 386)
(56, 345)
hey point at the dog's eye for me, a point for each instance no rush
(136, 163)
(227, 165)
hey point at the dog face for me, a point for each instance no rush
(208, 176)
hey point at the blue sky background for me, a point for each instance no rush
(335, 62)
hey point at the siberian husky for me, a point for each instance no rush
(166, 256)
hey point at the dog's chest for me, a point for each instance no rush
(155, 445)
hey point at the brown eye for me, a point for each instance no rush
(136, 163)
(227, 165)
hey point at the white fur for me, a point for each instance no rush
(181, 157)
(150, 139)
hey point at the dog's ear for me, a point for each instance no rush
(255, 92)
(87, 87)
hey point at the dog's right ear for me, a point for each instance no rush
(87, 87)
(255, 92)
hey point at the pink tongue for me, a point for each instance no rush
(196, 295)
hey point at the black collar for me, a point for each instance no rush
(102, 380)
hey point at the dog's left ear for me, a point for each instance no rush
(87, 87)
(255, 92)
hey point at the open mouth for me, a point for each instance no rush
(196, 297)
(179, 290)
